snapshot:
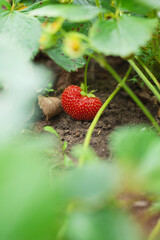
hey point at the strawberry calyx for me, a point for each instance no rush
(85, 93)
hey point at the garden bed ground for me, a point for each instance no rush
(121, 111)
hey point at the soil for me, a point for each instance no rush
(121, 111)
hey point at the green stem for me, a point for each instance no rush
(148, 71)
(98, 5)
(13, 5)
(96, 118)
(85, 74)
(102, 61)
(143, 77)
(157, 60)
(155, 234)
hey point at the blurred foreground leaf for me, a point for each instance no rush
(93, 183)
(130, 144)
(22, 29)
(137, 151)
(20, 79)
(111, 224)
(27, 204)
(4, 5)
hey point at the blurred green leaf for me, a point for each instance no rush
(121, 37)
(77, 27)
(67, 161)
(110, 224)
(149, 169)
(4, 5)
(134, 6)
(107, 4)
(129, 145)
(28, 2)
(51, 130)
(140, 6)
(27, 204)
(38, 4)
(20, 79)
(65, 144)
(93, 183)
(155, 207)
(23, 30)
(73, 13)
(84, 2)
(88, 154)
(137, 151)
(69, 64)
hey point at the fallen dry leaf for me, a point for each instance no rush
(50, 106)
(145, 95)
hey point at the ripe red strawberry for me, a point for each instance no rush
(78, 106)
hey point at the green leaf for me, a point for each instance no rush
(4, 5)
(16, 2)
(131, 144)
(27, 2)
(89, 184)
(20, 78)
(149, 168)
(51, 130)
(107, 4)
(77, 27)
(140, 6)
(111, 224)
(84, 2)
(27, 204)
(65, 144)
(87, 154)
(133, 6)
(137, 151)
(151, 3)
(63, 60)
(67, 161)
(23, 30)
(121, 37)
(73, 13)
(39, 5)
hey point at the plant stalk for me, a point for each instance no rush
(157, 60)
(103, 62)
(96, 118)
(155, 234)
(13, 5)
(148, 71)
(145, 80)
(85, 74)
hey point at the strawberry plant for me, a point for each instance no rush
(114, 28)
